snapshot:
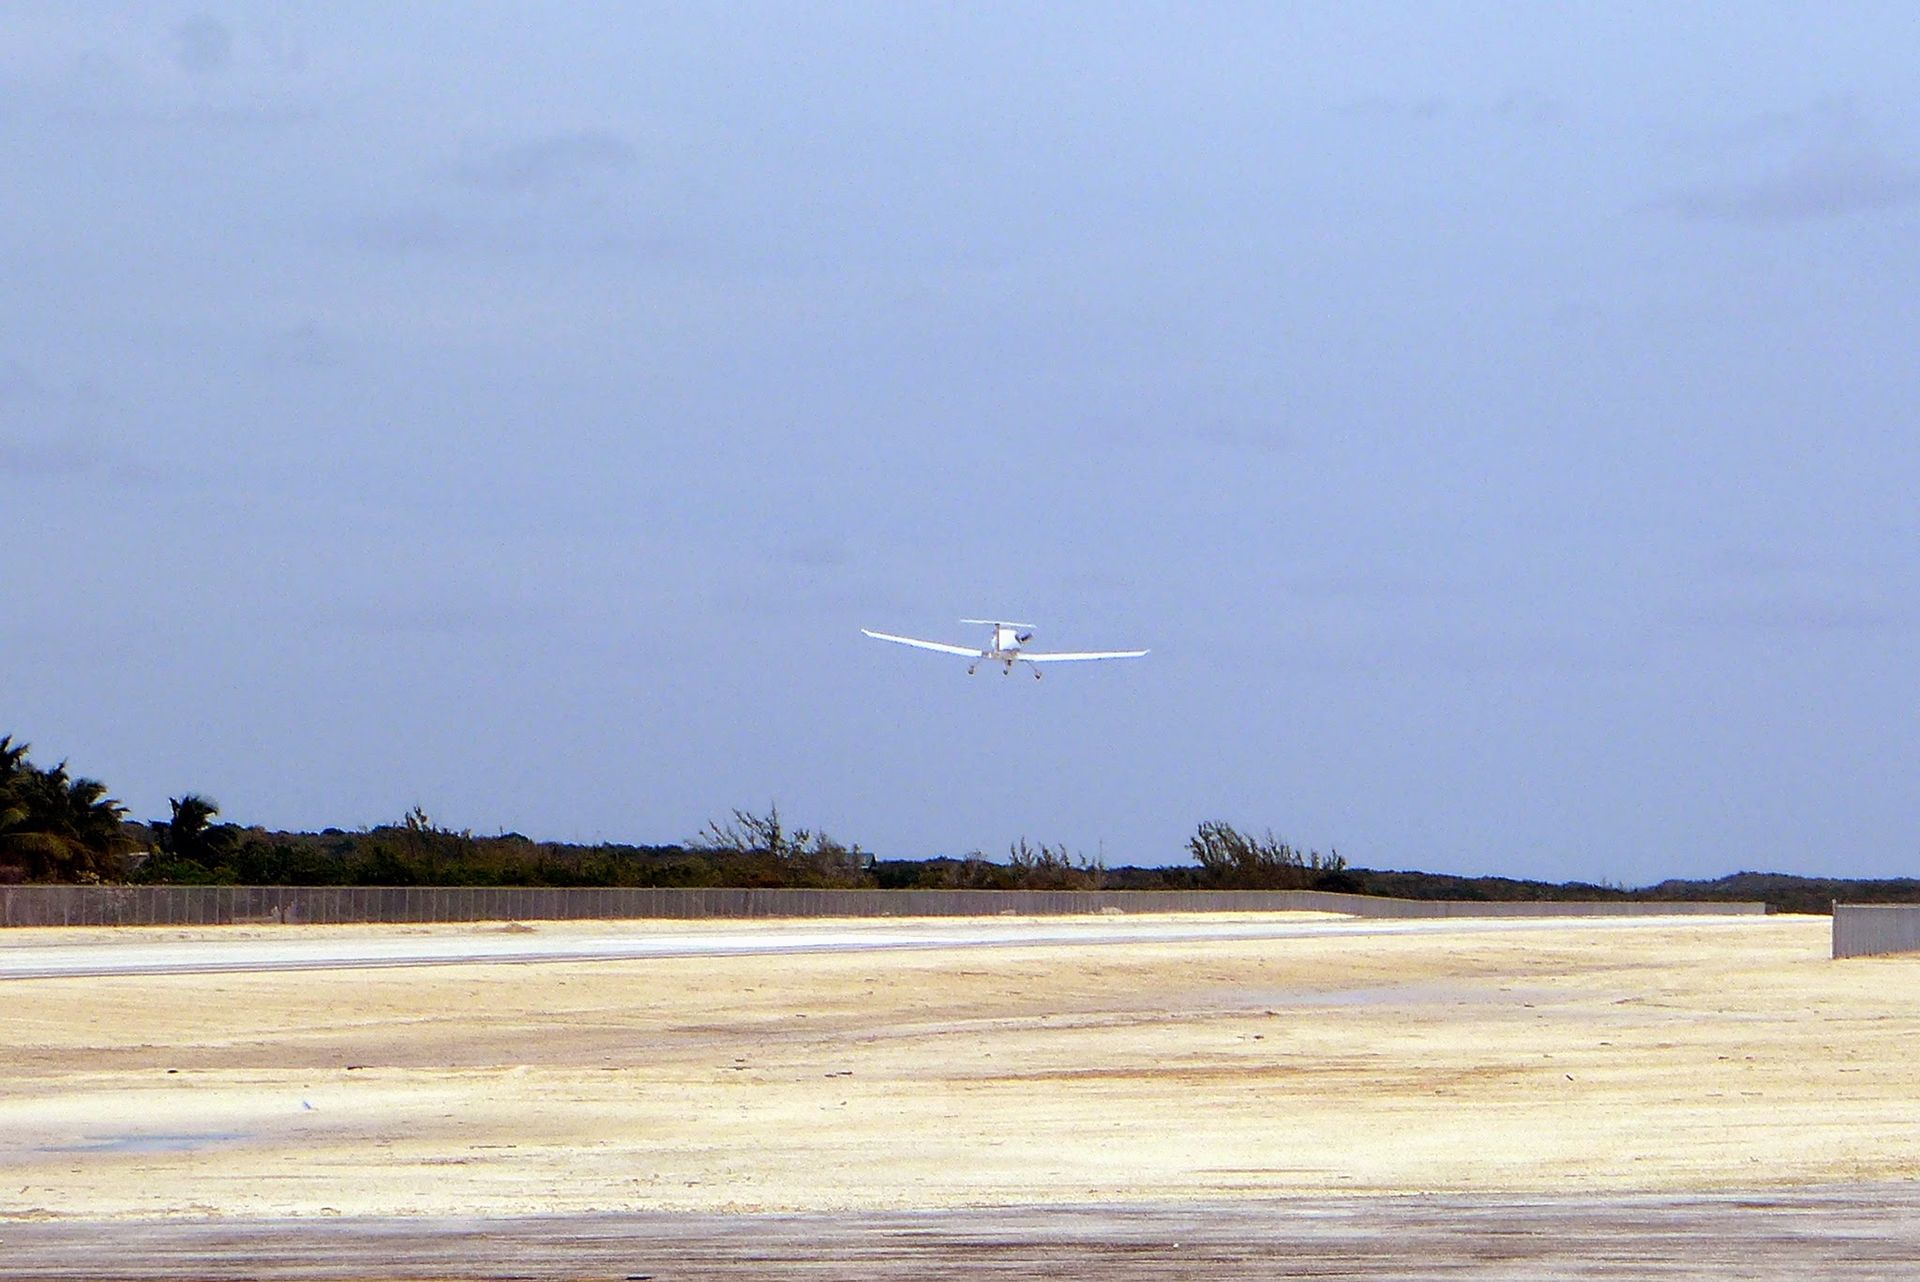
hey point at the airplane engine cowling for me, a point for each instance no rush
(1023, 637)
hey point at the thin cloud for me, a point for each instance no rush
(401, 231)
(102, 90)
(1837, 168)
(71, 457)
(573, 215)
(432, 612)
(203, 45)
(1807, 614)
(819, 553)
(1219, 433)
(51, 457)
(1375, 584)
(1242, 436)
(30, 449)
(1516, 107)
(554, 162)
(18, 383)
(302, 346)
(783, 597)
(1767, 587)
(1530, 107)
(1397, 107)
(502, 234)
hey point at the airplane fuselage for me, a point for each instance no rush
(1006, 656)
(1005, 649)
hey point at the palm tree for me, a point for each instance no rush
(13, 764)
(188, 835)
(53, 825)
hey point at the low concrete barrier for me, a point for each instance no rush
(1866, 930)
(224, 905)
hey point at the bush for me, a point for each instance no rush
(800, 857)
(1045, 867)
(1231, 859)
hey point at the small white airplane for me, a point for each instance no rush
(1005, 648)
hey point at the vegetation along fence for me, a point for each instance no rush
(1864, 930)
(221, 905)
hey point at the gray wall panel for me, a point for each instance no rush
(1870, 930)
(171, 905)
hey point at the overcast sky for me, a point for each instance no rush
(1498, 418)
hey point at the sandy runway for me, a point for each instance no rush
(53, 954)
(1675, 1058)
(1860, 1233)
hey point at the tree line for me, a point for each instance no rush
(59, 827)
(55, 827)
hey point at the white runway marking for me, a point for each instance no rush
(27, 960)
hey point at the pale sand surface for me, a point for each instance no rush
(57, 936)
(1674, 1058)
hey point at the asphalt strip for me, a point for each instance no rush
(212, 957)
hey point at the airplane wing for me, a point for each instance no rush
(1077, 656)
(942, 647)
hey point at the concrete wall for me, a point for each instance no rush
(220, 905)
(1863, 930)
